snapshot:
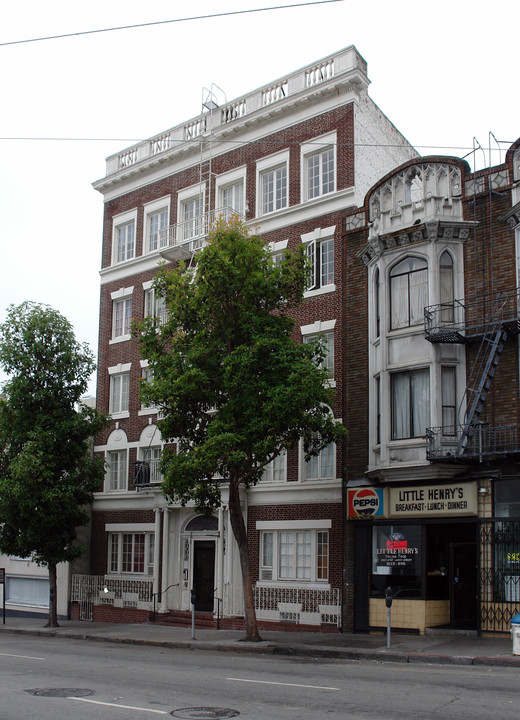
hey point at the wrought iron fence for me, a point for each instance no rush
(307, 606)
(499, 573)
(90, 590)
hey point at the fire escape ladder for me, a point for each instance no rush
(484, 371)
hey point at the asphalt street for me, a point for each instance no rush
(51, 678)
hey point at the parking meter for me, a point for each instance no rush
(388, 602)
(193, 599)
(193, 596)
(388, 597)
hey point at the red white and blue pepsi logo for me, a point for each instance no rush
(365, 502)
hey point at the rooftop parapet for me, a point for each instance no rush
(344, 67)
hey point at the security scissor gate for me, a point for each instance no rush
(499, 573)
(85, 590)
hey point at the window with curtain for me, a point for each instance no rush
(449, 410)
(408, 292)
(301, 555)
(410, 404)
(447, 291)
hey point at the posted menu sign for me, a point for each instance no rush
(433, 500)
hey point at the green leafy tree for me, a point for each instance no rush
(47, 470)
(234, 389)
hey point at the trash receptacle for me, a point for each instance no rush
(515, 633)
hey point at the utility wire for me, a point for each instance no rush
(238, 143)
(169, 22)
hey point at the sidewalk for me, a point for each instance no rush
(453, 649)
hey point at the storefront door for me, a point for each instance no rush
(463, 585)
(204, 574)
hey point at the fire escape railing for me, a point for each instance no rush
(488, 320)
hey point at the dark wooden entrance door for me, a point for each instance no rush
(463, 585)
(204, 574)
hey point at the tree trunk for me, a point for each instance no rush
(239, 531)
(53, 599)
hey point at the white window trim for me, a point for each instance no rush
(276, 247)
(322, 327)
(106, 486)
(120, 294)
(320, 524)
(294, 526)
(271, 162)
(129, 527)
(314, 147)
(148, 569)
(190, 193)
(233, 177)
(150, 208)
(315, 236)
(121, 369)
(117, 221)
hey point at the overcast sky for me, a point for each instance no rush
(443, 72)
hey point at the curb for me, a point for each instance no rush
(270, 648)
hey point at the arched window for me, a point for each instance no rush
(408, 292)
(447, 290)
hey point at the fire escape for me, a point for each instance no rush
(485, 323)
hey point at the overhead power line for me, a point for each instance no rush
(169, 22)
(237, 143)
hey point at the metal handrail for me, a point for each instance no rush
(160, 592)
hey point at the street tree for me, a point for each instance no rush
(234, 388)
(47, 469)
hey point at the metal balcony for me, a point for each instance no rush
(146, 473)
(182, 240)
(485, 442)
(464, 321)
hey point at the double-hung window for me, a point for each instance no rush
(318, 160)
(272, 183)
(155, 225)
(300, 555)
(232, 198)
(122, 318)
(131, 552)
(123, 236)
(119, 389)
(410, 403)
(117, 470)
(155, 306)
(449, 400)
(157, 222)
(408, 292)
(321, 466)
(274, 189)
(276, 471)
(327, 340)
(192, 218)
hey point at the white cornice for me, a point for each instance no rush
(259, 124)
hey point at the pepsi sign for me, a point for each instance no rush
(365, 502)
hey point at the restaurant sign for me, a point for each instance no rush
(433, 500)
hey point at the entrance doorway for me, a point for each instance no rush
(463, 584)
(204, 574)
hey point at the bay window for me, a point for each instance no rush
(408, 292)
(410, 403)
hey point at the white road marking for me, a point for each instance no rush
(26, 657)
(125, 707)
(270, 682)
